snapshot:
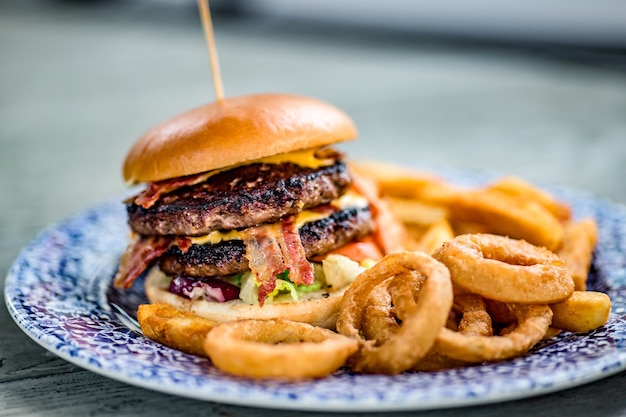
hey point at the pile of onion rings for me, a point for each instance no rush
(482, 275)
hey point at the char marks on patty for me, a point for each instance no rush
(241, 197)
(228, 257)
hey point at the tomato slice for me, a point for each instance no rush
(358, 251)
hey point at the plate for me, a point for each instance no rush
(58, 292)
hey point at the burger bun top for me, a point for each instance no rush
(234, 131)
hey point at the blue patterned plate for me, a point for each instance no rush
(58, 292)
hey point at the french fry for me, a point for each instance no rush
(413, 235)
(551, 332)
(583, 311)
(415, 212)
(438, 233)
(462, 228)
(579, 241)
(173, 328)
(510, 206)
(507, 216)
(395, 181)
(519, 188)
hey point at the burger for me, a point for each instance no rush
(245, 204)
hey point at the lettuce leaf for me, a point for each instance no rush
(284, 288)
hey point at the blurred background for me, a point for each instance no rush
(533, 88)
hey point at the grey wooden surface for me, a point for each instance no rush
(78, 85)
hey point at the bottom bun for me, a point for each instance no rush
(319, 308)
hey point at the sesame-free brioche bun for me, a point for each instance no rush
(234, 131)
(318, 308)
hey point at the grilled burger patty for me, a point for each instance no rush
(242, 197)
(228, 257)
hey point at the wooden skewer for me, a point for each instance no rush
(209, 35)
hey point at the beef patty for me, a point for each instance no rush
(228, 257)
(241, 197)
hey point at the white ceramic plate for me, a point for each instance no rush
(58, 292)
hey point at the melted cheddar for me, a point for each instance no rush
(215, 237)
(349, 199)
(305, 158)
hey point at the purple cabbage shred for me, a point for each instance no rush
(210, 289)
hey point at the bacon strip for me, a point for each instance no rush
(264, 258)
(155, 190)
(140, 255)
(294, 257)
(270, 250)
(183, 243)
(389, 232)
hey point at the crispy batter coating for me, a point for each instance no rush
(170, 327)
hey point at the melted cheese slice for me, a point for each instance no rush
(304, 158)
(348, 200)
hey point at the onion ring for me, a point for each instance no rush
(176, 329)
(503, 269)
(499, 312)
(379, 316)
(380, 321)
(475, 321)
(533, 323)
(277, 348)
(404, 290)
(419, 328)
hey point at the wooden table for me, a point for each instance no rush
(78, 85)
